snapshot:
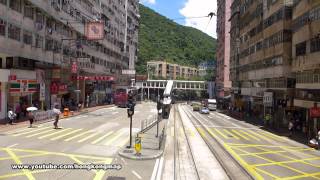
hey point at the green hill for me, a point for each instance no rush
(161, 38)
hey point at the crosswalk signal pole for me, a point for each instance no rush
(130, 112)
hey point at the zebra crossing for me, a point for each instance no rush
(243, 135)
(116, 138)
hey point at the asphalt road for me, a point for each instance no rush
(262, 154)
(95, 137)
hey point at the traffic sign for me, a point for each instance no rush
(138, 145)
(129, 71)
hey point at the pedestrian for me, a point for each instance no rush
(290, 127)
(18, 110)
(11, 116)
(57, 113)
(31, 118)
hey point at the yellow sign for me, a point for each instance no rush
(138, 145)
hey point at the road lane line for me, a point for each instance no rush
(18, 161)
(35, 130)
(12, 145)
(136, 174)
(230, 133)
(101, 138)
(63, 135)
(239, 134)
(88, 137)
(119, 134)
(78, 135)
(155, 170)
(57, 132)
(267, 173)
(159, 173)
(42, 132)
(250, 135)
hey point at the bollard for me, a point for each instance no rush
(137, 145)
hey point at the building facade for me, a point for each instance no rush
(164, 70)
(49, 59)
(305, 60)
(204, 67)
(223, 48)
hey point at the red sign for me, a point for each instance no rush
(314, 112)
(74, 67)
(93, 78)
(63, 88)
(54, 88)
(12, 77)
(94, 30)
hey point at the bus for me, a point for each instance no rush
(120, 97)
(212, 104)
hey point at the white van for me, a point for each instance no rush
(212, 104)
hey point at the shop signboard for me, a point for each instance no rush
(315, 112)
(56, 74)
(94, 30)
(42, 92)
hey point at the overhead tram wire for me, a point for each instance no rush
(211, 14)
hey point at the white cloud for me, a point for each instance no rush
(197, 8)
(148, 1)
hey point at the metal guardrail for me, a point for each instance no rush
(40, 116)
(148, 123)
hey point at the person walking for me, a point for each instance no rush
(57, 116)
(290, 127)
(18, 110)
(11, 116)
(31, 118)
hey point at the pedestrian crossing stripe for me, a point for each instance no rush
(57, 132)
(115, 137)
(64, 135)
(102, 137)
(232, 135)
(20, 130)
(81, 134)
(88, 137)
(31, 131)
(42, 132)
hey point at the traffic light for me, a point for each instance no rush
(130, 105)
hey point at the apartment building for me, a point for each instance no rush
(223, 48)
(306, 62)
(264, 55)
(42, 42)
(165, 70)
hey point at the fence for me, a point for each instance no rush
(42, 116)
(148, 123)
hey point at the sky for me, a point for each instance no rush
(181, 11)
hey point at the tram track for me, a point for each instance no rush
(231, 166)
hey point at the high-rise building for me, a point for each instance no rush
(306, 62)
(45, 57)
(223, 48)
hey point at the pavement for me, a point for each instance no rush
(86, 147)
(263, 154)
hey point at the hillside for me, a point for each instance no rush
(161, 38)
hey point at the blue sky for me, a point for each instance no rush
(187, 8)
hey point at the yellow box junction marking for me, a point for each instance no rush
(223, 135)
(249, 135)
(239, 134)
(228, 132)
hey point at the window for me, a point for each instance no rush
(315, 45)
(39, 41)
(14, 32)
(15, 5)
(2, 27)
(27, 37)
(49, 45)
(301, 49)
(28, 10)
(3, 2)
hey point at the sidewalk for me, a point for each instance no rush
(24, 121)
(297, 136)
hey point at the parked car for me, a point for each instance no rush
(204, 110)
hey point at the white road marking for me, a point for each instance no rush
(114, 113)
(124, 161)
(12, 145)
(136, 174)
(155, 170)
(159, 173)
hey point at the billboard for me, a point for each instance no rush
(94, 30)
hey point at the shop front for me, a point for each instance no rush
(4, 75)
(23, 90)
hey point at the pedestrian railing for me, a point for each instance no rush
(43, 116)
(148, 123)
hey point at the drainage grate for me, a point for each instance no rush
(128, 151)
(116, 178)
